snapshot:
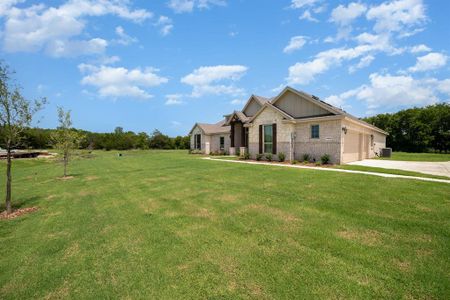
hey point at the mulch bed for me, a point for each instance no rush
(17, 213)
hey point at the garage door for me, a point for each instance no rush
(355, 146)
(351, 147)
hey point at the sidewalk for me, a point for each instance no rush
(329, 169)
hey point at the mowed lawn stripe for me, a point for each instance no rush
(165, 224)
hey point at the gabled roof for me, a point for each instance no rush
(261, 101)
(271, 106)
(212, 128)
(223, 126)
(239, 115)
(313, 99)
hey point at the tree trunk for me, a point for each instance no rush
(65, 164)
(8, 181)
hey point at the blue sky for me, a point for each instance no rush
(168, 64)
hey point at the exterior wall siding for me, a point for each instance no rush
(298, 107)
(252, 108)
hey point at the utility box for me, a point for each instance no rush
(386, 152)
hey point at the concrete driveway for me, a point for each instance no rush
(433, 168)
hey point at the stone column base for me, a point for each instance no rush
(232, 151)
(242, 151)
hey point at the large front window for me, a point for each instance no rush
(197, 141)
(268, 138)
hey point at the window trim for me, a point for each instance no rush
(264, 140)
(318, 131)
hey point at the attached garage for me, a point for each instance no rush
(360, 142)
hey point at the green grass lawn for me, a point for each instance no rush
(155, 224)
(418, 156)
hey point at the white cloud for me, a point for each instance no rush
(420, 48)
(430, 61)
(443, 86)
(108, 60)
(302, 3)
(308, 16)
(296, 43)
(397, 16)
(187, 6)
(305, 72)
(207, 80)
(392, 92)
(175, 123)
(174, 99)
(343, 16)
(55, 29)
(363, 62)
(123, 38)
(165, 25)
(237, 102)
(121, 82)
(5, 6)
(71, 48)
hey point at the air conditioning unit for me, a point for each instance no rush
(386, 152)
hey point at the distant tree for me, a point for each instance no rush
(417, 129)
(16, 114)
(160, 141)
(65, 138)
(181, 142)
(143, 141)
(118, 130)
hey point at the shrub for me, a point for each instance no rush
(246, 156)
(196, 151)
(238, 152)
(325, 159)
(318, 163)
(294, 162)
(281, 156)
(259, 156)
(306, 157)
(269, 156)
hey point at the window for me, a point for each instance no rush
(197, 141)
(314, 131)
(268, 138)
(222, 143)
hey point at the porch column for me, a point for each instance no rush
(232, 135)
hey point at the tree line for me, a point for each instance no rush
(425, 129)
(39, 138)
(16, 115)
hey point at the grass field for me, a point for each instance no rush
(169, 225)
(405, 156)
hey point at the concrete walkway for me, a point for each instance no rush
(328, 169)
(432, 168)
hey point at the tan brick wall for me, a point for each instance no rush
(268, 117)
(215, 142)
(329, 141)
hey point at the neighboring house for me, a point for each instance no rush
(294, 123)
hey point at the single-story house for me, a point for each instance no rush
(294, 123)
